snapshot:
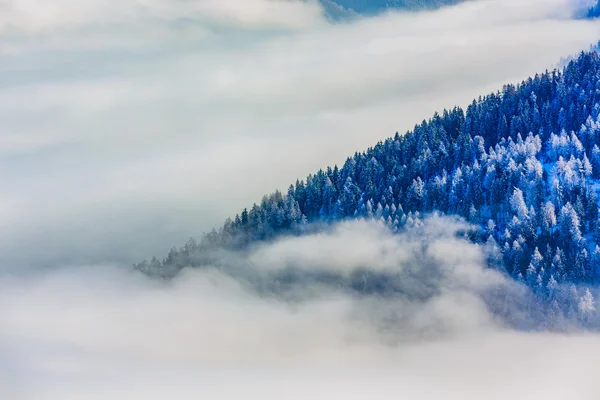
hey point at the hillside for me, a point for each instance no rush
(370, 6)
(523, 164)
(348, 8)
(594, 12)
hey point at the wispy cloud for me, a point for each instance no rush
(31, 18)
(102, 331)
(129, 126)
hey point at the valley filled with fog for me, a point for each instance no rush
(128, 127)
(450, 328)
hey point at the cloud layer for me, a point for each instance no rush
(129, 126)
(215, 332)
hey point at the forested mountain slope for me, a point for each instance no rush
(594, 12)
(375, 6)
(349, 8)
(523, 164)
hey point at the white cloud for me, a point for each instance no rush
(34, 18)
(130, 126)
(93, 332)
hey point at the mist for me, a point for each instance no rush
(229, 331)
(129, 126)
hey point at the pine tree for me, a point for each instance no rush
(569, 224)
(548, 218)
(586, 306)
(531, 276)
(517, 202)
(595, 264)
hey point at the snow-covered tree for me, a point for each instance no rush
(569, 224)
(517, 202)
(586, 306)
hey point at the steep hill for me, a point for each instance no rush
(349, 8)
(522, 164)
(594, 12)
(373, 6)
